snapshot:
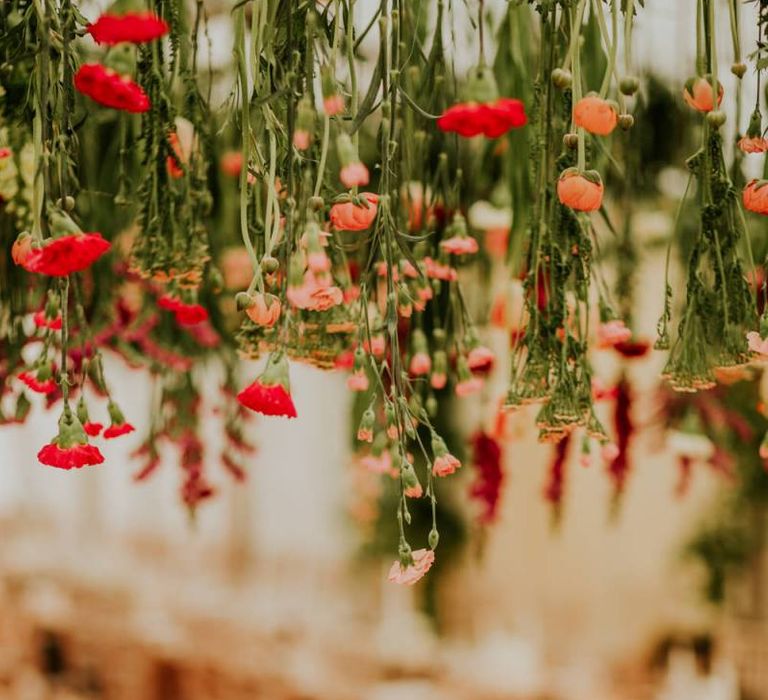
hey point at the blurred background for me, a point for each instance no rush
(277, 589)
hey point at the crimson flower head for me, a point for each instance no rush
(40, 380)
(62, 255)
(91, 428)
(70, 448)
(118, 426)
(270, 394)
(186, 314)
(484, 112)
(42, 320)
(132, 27)
(109, 88)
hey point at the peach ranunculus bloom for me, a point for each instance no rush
(698, 94)
(264, 310)
(596, 115)
(347, 216)
(422, 562)
(580, 191)
(755, 196)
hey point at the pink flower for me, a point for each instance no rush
(445, 465)
(422, 562)
(753, 144)
(354, 175)
(609, 451)
(459, 245)
(612, 333)
(378, 464)
(438, 380)
(358, 381)
(312, 296)
(416, 491)
(378, 345)
(439, 271)
(481, 358)
(301, 139)
(365, 435)
(318, 262)
(469, 386)
(420, 365)
(757, 344)
(333, 105)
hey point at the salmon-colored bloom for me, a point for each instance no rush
(753, 144)
(411, 574)
(21, 249)
(445, 465)
(333, 105)
(354, 175)
(358, 381)
(596, 115)
(264, 310)
(612, 333)
(580, 191)
(755, 196)
(348, 216)
(420, 365)
(301, 139)
(757, 344)
(698, 94)
(460, 245)
(469, 386)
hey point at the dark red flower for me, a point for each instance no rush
(195, 489)
(492, 119)
(185, 314)
(632, 348)
(133, 27)
(42, 321)
(108, 88)
(73, 457)
(486, 460)
(41, 381)
(64, 255)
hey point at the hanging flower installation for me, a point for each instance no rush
(327, 214)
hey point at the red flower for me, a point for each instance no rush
(42, 321)
(487, 486)
(185, 314)
(64, 255)
(270, 394)
(70, 457)
(119, 426)
(632, 348)
(41, 381)
(70, 448)
(134, 27)
(492, 119)
(108, 88)
(93, 429)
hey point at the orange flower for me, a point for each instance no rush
(698, 94)
(264, 309)
(596, 115)
(21, 248)
(580, 191)
(348, 216)
(756, 196)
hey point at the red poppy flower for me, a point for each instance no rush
(70, 457)
(270, 394)
(42, 321)
(64, 255)
(41, 381)
(492, 119)
(108, 88)
(133, 27)
(185, 314)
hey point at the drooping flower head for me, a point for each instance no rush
(483, 112)
(754, 141)
(445, 463)
(261, 307)
(270, 394)
(92, 428)
(186, 313)
(118, 425)
(351, 215)
(70, 448)
(698, 93)
(131, 27)
(413, 569)
(755, 196)
(581, 191)
(40, 379)
(111, 89)
(596, 115)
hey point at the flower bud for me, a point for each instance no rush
(739, 69)
(629, 85)
(626, 121)
(561, 78)
(269, 264)
(716, 118)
